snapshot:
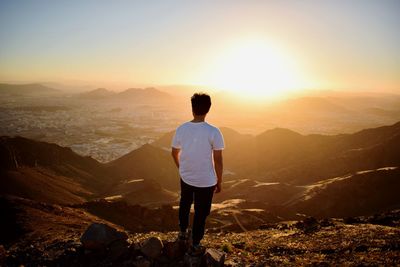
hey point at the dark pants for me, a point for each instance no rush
(202, 197)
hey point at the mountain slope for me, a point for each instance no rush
(281, 155)
(357, 194)
(141, 192)
(150, 163)
(41, 185)
(48, 172)
(362, 193)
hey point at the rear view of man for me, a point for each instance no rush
(197, 151)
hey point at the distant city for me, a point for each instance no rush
(101, 130)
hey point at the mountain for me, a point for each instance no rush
(48, 172)
(97, 94)
(147, 95)
(26, 89)
(150, 163)
(282, 155)
(358, 194)
(54, 174)
(363, 193)
(132, 95)
(285, 156)
(280, 160)
(243, 158)
(330, 156)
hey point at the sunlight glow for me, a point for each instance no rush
(256, 69)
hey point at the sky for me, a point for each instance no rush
(345, 44)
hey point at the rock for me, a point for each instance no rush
(176, 249)
(192, 261)
(152, 247)
(351, 220)
(326, 222)
(98, 236)
(308, 225)
(117, 249)
(134, 247)
(214, 258)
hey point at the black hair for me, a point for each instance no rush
(201, 103)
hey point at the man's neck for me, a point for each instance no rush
(197, 118)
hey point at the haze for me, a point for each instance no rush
(317, 45)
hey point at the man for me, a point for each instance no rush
(197, 151)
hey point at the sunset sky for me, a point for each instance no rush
(266, 44)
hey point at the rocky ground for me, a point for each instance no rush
(50, 235)
(320, 243)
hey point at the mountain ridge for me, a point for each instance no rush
(292, 159)
(26, 89)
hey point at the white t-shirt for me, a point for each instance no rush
(197, 140)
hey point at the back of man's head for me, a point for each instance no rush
(201, 103)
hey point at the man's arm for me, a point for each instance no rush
(218, 165)
(175, 154)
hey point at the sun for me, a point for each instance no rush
(255, 69)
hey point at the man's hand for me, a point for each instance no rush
(218, 188)
(218, 165)
(175, 154)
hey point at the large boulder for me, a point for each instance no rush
(152, 247)
(214, 258)
(117, 249)
(175, 249)
(192, 261)
(99, 235)
(308, 225)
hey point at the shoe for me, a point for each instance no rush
(196, 250)
(183, 236)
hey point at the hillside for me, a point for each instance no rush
(51, 173)
(43, 185)
(363, 193)
(148, 162)
(276, 164)
(48, 172)
(20, 151)
(282, 155)
(141, 192)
